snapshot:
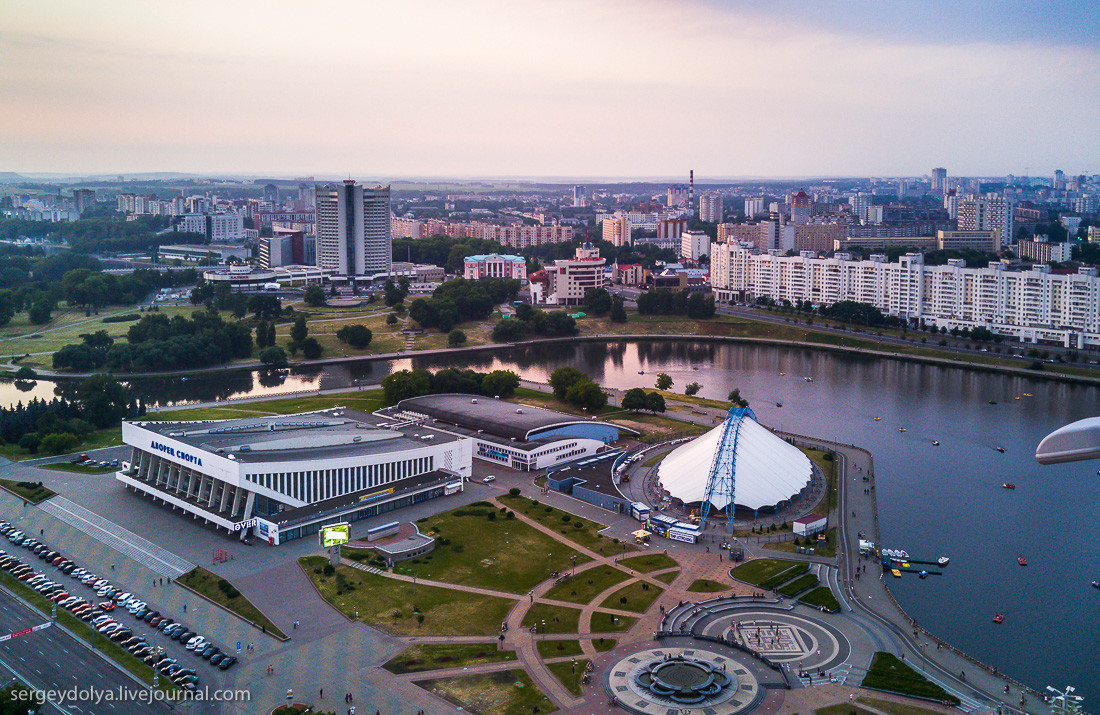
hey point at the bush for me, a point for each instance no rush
(329, 569)
(513, 492)
(391, 319)
(273, 357)
(59, 442)
(357, 336)
(231, 592)
(491, 516)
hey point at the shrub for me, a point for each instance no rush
(513, 492)
(329, 569)
(491, 516)
(231, 592)
(455, 338)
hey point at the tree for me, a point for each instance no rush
(311, 349)
(40, 310)
(59, 442)
(393, 293)
(655, 402)
(299, 330)
(314, 296)
(265, 306)
(273, 358)
(500, 383)
(563, 378)
(509, 330)
(261, 335)
(692, 389)
(664, 382)
(634, 399)
(618, 310)
(26, 373)
(404, 384)
(356, 335)
(7, 307)
(103, 400)
(736, 399)
(597, 300)
(455, 338)
(391, 319)
(586, 394)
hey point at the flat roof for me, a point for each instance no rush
(332, 433)
(505, 419)
(595, 470)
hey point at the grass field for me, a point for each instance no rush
(705, 585)
(95, 440)
(32, 492)
(828, 549)
(395, 606)
(607, 623)
(652, 461)
(476, 550)
(799, 585)
(208, 585)
(603, 645)
(667, 577)
(570, 674)
(511, 692)
(758, 571)
(649, 562)
(887, 672)
(637, 597)
(586, 585)
(558, 649)
(574, 528)
(785, 576)
(888, 706)
(434, 656)
(558, 619)
(821, 597)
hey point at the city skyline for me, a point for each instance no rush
(572, 89)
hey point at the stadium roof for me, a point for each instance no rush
(497, 417)
(766, 469)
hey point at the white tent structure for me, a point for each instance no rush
(765, 469)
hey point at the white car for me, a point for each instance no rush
(124, 598)
(488, 479)
(103, 591)
(135, 606)
(195, 643)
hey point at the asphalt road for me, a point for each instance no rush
(52, 659)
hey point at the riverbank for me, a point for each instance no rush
(606, 338)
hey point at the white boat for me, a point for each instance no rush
(808, 379)
(943, 561)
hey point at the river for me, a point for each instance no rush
(933, 501)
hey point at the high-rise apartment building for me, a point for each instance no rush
(710, 208)
(694, 245)
(802, 207)
(992, 213)
(353, 228)
(83, 199)
(616, 231)
(939, 180)
(271, 194)
(1059, 179)
(580, 196)
(860, 202)
(754, 206)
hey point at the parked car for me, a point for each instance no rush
(227, 663)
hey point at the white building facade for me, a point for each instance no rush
(353, 229)
(494, 265)
(1031, 306)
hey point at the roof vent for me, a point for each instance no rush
(232, 457)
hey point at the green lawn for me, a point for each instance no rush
(586, 585)
(828, 549)
(211, 587)
(649, 562)
(821, 596)
(603, 645)
(574, 528)
(94, 440)
(705, 585)
(477, 546)
(889, 706)
(799, 585)
(637, 597)
(511, 692)
(77, 468)
(570, 674)
(394, 606)
(33, 492)
(668, 577)
(607, 623)
(433, 656)
(887, 672)
(652, 461)
(558, 649)
(558, 619)
(759, 571)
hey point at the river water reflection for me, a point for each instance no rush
(933, 501)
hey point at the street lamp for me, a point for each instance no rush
(1065, 703)
(573, 558)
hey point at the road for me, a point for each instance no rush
(52, 659)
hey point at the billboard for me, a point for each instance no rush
(334, 534)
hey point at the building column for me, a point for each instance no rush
(249, 504)
(236, 501)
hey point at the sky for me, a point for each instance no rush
(551, 88)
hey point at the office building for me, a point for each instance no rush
(754, 206)
(495, 265)
(939, 180)
(353, 228)
(580, 196)
(218, 228)
(569, 279)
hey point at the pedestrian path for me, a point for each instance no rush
(122, 540)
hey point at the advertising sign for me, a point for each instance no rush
(334, 534)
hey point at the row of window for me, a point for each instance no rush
(318, 485)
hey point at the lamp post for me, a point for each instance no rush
(573, 570)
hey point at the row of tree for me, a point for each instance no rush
(534, 321)
(461, 300)
(676, 302)
(574, 387)
(60, 424)
(404, 384)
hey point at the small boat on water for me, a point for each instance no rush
(1021, 560)
(782, 374)
(778, 404)
(896, 573)
(1027, 394)
(923, 574)
(1001, 450)
(992, 402)
(808, 379)
(935, 443)
(1096, 584)
(998, 618)
(943, 561)
(1008, 485)
(901, 429)
(641, 372)
(877, 419)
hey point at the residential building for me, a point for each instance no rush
(616, 231)
(571, 277)
(939, 180)
(802, 207)
(738, 233)
(694, 245)
(271, 194)
(989, 241)
(353, 228)
(820, 238)
(754, 206)
(1086, 204)
(630, 274)
(988, 213)
(495, 265)
(710, 208)
(671, 228)
(218, 228)
(83, 199)
(1035, 305)
(1044, 251)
